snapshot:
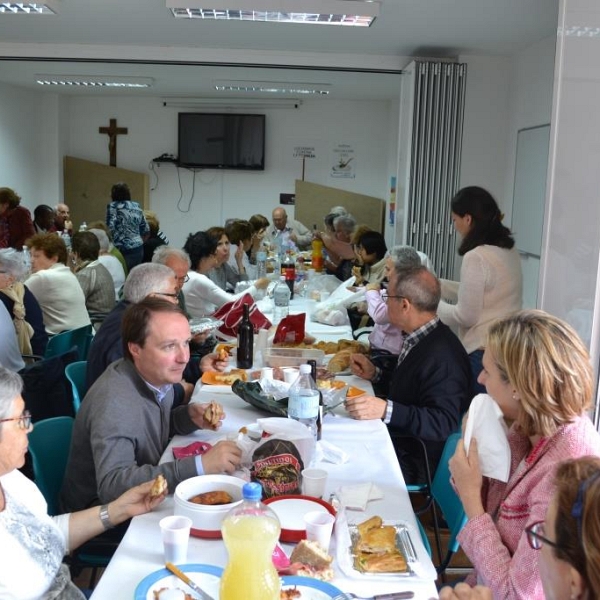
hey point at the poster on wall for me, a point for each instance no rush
(342, 162)
(305, 152)
(392, 204)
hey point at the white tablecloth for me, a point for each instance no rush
(372, 460)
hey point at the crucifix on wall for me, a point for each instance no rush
(113, 131)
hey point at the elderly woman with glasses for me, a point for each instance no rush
(21, 303)
(538, 371)
(33, 543)
(568, 540)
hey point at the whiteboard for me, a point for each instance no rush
(530, 188)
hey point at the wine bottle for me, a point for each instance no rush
(313, 373)
(245, 341)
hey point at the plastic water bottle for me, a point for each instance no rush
(250, 532)
(66, 238)
(261, 264)
(281, 300)
(27, 259)
(303, 401)
(83, 226)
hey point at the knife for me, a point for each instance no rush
(187, 580)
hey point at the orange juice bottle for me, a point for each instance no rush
(317, 252)
(250, 532)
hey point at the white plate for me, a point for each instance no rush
(208, 578)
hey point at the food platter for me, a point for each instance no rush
(204, 324)
(212, 377)
(208, 577)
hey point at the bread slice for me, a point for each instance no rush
(378, 540)
(311, 554)
(371, 523)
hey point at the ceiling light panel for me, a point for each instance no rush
(91, 82)
(358, 13)
(274, 87)
(28, 8)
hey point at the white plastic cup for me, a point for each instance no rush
(290, 374)
(266, 373)
(319, 526)
(313, 482)
(175, 535)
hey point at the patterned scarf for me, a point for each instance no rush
(24, 330)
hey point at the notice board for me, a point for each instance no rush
(530, 188)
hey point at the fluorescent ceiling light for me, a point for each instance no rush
(99, 81)
(358, 13)
(28, 8)
(273, 87)
(222, 103)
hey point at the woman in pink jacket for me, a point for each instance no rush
(538, 371)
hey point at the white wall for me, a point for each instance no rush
(20, 135)
(218, 195)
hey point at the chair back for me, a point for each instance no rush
(445, 496)
(75, 373)
(49, 444)
(61, 342)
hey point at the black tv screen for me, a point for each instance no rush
(222, 141)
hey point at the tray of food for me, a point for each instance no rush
(382, 549)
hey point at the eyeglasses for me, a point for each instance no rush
(169, 295)
(536, 536)
(386, 296)
(24, 421)
(183, 279)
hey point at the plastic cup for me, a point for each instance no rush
(175, 535)
(319, 526)
(313, 482)
(290, 374)
(266, 373)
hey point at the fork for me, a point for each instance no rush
(391, 596)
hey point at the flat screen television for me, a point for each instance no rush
(222, 141)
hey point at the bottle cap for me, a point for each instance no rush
(252, 491)
(305, 369)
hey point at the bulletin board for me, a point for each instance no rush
(87, 188)
(530, 188)
(313, 202)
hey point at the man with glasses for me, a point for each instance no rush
(127, 418)
(179, 262)
(431, 386)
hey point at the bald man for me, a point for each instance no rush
(62, 218)
(285, 230)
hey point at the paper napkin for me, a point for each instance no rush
(193, 449)
(356, 497)
(328, 452)
(486, 424)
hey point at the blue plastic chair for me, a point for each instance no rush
(75, 373)
(63, 342)
(49, 443)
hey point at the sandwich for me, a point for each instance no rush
(378, 540)
(213, 413)
(375, 549)
(371, 523)
(159, 487)
(308, 559)
(392, 562)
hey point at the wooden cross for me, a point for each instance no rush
(113, 131)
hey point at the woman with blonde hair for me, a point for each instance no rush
(538, 371)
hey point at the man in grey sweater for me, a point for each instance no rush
(125, 423)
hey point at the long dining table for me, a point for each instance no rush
(368, 456)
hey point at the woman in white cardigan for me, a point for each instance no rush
(491, 283)
(202, 295)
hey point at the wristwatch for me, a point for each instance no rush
(104, 518)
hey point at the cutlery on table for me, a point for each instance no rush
(187, 580)
(391, 596)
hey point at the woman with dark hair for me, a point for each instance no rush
(15, 220)
(240, 234)
(127, 223)
(94, 278)
(491, 283)
(260, 224)
(202, 295)
(371, 251)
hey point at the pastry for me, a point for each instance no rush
(159, 486)
(213, 413)
(377, 540)
(340, 361)
(212, 498)
(369, 524)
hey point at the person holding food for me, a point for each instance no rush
(538, 371)
(33, 543)
(126, 420)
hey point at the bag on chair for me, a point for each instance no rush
(231, 314)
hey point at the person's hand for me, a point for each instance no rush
(135, 501)
(318, 235)
(68, 225)
(362, 367)
(223, 457)
(293, 237)
(262, 283)
(463, 591)
(196, 412)
(467, 478)
(211, 362)
(366, 407)
(239, 254)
